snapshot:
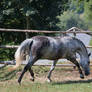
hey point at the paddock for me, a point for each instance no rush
(65, 82)
(72, 30)
(61, 81)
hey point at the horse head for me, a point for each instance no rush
(85, 62)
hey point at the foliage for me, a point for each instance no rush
(77, 6)
(86, 7)
(71, 19)
(88, 13)
(41, 14)
(7, 38)
(27, 14)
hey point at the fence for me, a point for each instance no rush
(73, 30)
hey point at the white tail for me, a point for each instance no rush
(18, 59)
(19, 54)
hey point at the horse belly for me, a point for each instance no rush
(48, 54)
(52, 54)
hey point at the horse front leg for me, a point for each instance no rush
(51, 69)
(74, 61)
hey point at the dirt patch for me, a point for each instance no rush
(61, 74)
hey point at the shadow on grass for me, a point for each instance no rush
(6, 75)
(72, 82)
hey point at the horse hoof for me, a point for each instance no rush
(32, 79)
(19, 82)
(81, 76)
(49, 80)
(87, 73)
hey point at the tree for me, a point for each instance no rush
(28, 14)
(42, 13)
(71, 19)
(88, 12)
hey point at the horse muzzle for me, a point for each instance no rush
(87, 71)
(86, 68)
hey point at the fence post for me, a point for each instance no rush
(74, 30)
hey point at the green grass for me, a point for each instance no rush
(45, 87)
(8, 82)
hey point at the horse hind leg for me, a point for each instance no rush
(51, 69)
(27, 67)
(74, 61)
(31, 73)
(30, 70)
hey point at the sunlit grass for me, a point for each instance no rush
(46, 87)
(8, 82)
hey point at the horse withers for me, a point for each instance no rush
(52, 48)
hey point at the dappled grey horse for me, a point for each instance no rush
(52, 48)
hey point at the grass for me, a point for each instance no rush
(8, 81)
(45, 87)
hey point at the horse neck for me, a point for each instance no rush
(83, 53)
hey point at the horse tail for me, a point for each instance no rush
(20, 54)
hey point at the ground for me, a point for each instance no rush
(63, 75)
(60, 74)
(64, 79)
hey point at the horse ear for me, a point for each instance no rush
(89, 54)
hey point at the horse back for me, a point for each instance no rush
(47, 47)
(54, 48)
